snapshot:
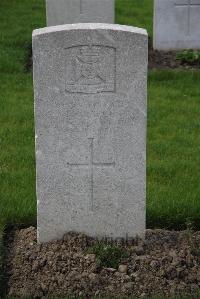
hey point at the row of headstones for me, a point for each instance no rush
(176, 22)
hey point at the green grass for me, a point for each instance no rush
(138, 13)
(173, 124)
(17, 174)
(17, 20)
(173, 149)
(173, 164)
(17, 162)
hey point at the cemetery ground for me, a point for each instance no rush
(173, 128)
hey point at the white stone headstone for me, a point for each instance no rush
(176, 24)
(61, 12)
(90, 116)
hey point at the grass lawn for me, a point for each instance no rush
(138, 13)
(173, 193)
(173, 164)
(173, 123)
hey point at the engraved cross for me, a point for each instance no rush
(91, 165)
(188, 6)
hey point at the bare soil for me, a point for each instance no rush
(167, 60)
(166, 262)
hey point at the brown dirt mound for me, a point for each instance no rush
(167, 262)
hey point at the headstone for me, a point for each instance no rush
(61, 12)
(176, 24)
(90, 115)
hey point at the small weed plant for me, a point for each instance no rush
(189, 56)
(108, 255)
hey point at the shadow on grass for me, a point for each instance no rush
(29, 58)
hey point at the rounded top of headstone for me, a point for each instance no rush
(89, 26)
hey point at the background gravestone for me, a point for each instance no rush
(176, 24)
(79, 11)
(90, 114)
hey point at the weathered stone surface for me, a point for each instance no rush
(90, 117)
(176, 24)
(79, 11)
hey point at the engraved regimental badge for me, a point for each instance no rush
(90, 69)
